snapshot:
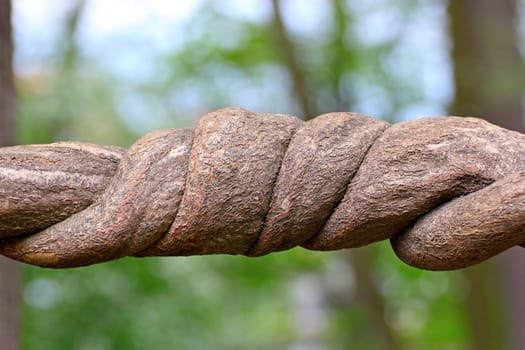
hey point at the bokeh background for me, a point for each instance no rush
(108, 71)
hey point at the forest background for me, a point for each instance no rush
(107, 72)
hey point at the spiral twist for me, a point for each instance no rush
(449, 192)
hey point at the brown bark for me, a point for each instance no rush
(489, 82)
(9, 288)
(242, 190)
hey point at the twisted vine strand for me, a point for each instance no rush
(449, 192)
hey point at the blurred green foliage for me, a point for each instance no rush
(223, 302)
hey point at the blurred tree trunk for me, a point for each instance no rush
(69, 48)
(488, 79)
(369, 293)
(9, 292)
(291, 61)
(488, 65)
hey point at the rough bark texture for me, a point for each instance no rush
(247, 183)
(51, 190)
(234, 163)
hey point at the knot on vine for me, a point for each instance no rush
(449, 192)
